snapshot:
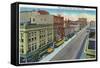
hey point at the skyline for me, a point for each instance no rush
(72, 13)
(60, 10)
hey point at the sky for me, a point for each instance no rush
(60, 10)
(89, 13)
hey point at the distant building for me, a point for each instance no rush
(90, 49)
(93, 24)
(82, 22)
(70, 28)
(43, 12)
(75, 25)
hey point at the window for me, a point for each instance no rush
(44, 19)
(40, 36)
(33, 47)
(29, 40)
(22, 40)
(32, 39)
(92, 35)
(92, 45)
(35, 38)
(43, 42)
(35, 33)
(21, 35)
(29, 34)
(33, 19)
(40, 45)
(32, 33)
(22, 50)
(21, 45)
(29, 48)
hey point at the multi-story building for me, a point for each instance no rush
(35, 37)
(82, 22)
(58, 30)
(37, 17)
(90, 49)
(71, 27)
(93, 24)
(66, 29)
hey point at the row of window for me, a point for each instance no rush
(50, 33)
(42, 31)
(33, 46)
(42, 36)
(34, 38)
(31, 34)
(31, 39)
(42, 19)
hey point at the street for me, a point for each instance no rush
(69, 50)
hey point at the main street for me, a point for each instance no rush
(69, 50)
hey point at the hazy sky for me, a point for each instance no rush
(61, 11)
(88, 13)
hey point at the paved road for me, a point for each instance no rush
(71, 50)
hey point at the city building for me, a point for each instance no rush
(82, 22)
(41, 17)
(25, 16)
(41, 32)
(90, 49)
(71, 27)
(36, 36)
(36, 17)
(58, 30)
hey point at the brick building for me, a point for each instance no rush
(58, 30)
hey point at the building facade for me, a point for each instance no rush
(34, 41)
(90, 49)
(71, 27)
(35, 37)
(58, 30)
(82, 22)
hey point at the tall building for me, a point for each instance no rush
(36, 17)
(36, 36)
(58, 30)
